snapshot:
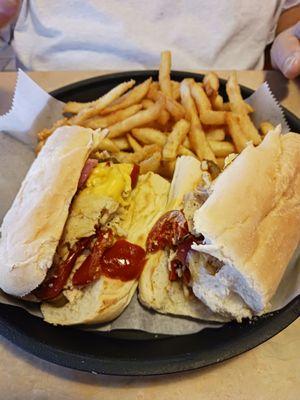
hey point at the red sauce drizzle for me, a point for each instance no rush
(90, 270)
(167, 231)
(180, 259)
(134, 175)
(58, 275)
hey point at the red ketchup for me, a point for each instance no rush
(121, 260)
(58, 275)
(167, 231)
(180, 259)
(90, 270)
(134, 175)
(124, 261)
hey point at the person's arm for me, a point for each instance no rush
(287, 19)
(8, 11)
(285, 50)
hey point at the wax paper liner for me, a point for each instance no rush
(32, 110)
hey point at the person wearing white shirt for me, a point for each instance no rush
(116, 34)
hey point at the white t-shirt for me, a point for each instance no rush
(129, 34)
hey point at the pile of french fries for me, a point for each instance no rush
(153, 123)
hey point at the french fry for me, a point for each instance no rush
(124, 157)
(103, 102)
(164, 74)
(221, 149)
(215, 133)
(211, 84)
(74, 107)
(153, 91)
(163, 117)
(143, 117)
(151, 163)
(186, 143)
(249, 129)
(149, 136)
(122, 143)
(138, 156)
(197, 138)
(217, 103)
(184, 151)
(108, 145)
(45, 133)
(233, 90)
(199, 144)
(175, 90)
(175, 109)
(238, 106)
(220, 162)
(147, 151)
(117, 116)
(133, 143)
(235, 131)
(207, 116)
(188, 102)
(175, 138)
(213, 118)
(226, 106)
(134, 96)
(146, 103)
(201, 100)
(266, 127)
(248, 108)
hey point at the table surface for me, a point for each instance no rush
(270, 371)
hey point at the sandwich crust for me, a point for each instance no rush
(33, 225)
(251, 223)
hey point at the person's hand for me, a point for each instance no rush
(285, 52)
(8, 10)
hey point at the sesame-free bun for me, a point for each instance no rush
(32, 227)
(156, 291)
(251, 222)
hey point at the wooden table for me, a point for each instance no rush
(268, 372)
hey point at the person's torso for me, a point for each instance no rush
(116, 34)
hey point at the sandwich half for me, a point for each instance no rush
(98, 291)
(164, 285)
(250, 227)
(74, 236)
(222, 246)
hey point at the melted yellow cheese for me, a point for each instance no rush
(108, 187)
(111, 181)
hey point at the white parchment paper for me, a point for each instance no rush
(32, 110)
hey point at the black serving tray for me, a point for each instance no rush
(134, 352)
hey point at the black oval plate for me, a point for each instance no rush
(134, 352)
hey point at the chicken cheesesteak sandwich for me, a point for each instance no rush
(74, 238)
(222, 246)
(82, 234)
